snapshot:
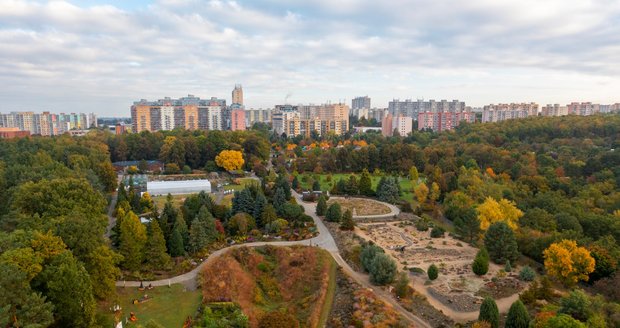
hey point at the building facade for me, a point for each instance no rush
(444, 116)
(554, 110)
(237, 117)
(257, 116)
(237, 95)
(582, 109)
(403, 125)
(360, 102)
(191, 113)
(46, 123)
(502, 112)
(303, 119)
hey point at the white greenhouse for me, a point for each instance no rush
(157, 188)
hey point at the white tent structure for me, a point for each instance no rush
(157, 188)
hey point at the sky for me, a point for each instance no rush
(100, 56)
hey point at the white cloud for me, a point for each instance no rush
(103, 57)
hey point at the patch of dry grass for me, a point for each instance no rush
(362, 206)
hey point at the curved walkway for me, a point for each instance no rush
(324, 240)
(394, 210)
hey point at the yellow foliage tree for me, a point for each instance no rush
(435, 192)
(229, 160)
(567, 262)
(421, 193)
(492, 211)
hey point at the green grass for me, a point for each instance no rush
(168, 306)
(177, 200)
(244, 182)
(405, 184)
(331, 292)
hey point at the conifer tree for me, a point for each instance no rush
(489, 312)
(156, 253)
(518, 317)
(321, 206)
(198, 237)
(334, 213)
(132, 241)
(432, 272)
(175, 243)
(347, 221)
(269, 215)
(365, 184)
(501, 243)
(480, 266)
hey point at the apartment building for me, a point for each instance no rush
(554, 110)
(502, 112)
(303, 119)
(237, 94)
(46, 123)
(257, 116)
(582, 109)
(403, 125)
(444, 115)
(360, 102)
(191, 113)
(237, 117)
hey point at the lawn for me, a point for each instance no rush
(168, 306)
(243, 182)
(177, 200)
(405, 184)
(331, 291)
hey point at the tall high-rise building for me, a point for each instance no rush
(191, 113)
(257, 116)
(237, 117)
(554, 110)
(360, 102)
(303, 119)
(237, 95)
(403, 125)
(443, 115)
(582, 109)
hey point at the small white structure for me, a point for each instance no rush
(157, 188)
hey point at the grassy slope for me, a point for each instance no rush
(331, 290)
(168, 306)
(300, 280)
(405, 184)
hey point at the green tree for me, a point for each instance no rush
(269, 215)
(347, 221)
(68, 287)
(388, 190)
(19, 305)
(334, 213)
(382, 269)
(316, 185)
(413, 175)
(181, 225)
(527, 274)
(501, 243)
(279, 199)
(480, 266)
(240, 224)
(365, 184)
(175, 243)
(538, 219)
(489, 312)
(508, 266)
(433, 272)
(563, 321)
(132, 242)
(198, 237)
(576, 304)
(155, 252)
(321, 206)
(102, 266)
(367, 255)
(467, 225)
(518, 317)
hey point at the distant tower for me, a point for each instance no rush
(237, 95)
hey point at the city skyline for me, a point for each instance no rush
(78, 57)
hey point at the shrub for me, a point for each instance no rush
(402, 285)
(489, 312)
(277, 319)
(433, 272)
(368, 253)
(382, 269)
(421, 225)
(527, 274)
(518, 317)
(437, 232)
(508, 267)
(576, 304)
(321, 206)
(480, 266)
(334, 213)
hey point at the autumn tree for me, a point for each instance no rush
(434, 192)
(492, 211)
(230, 160)
(414, 175)
(102, 266)
(568, 262)
(421, 193)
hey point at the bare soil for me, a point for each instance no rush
(360, 206)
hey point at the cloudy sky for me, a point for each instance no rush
(99, 56)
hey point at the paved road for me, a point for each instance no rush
(323, 240)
